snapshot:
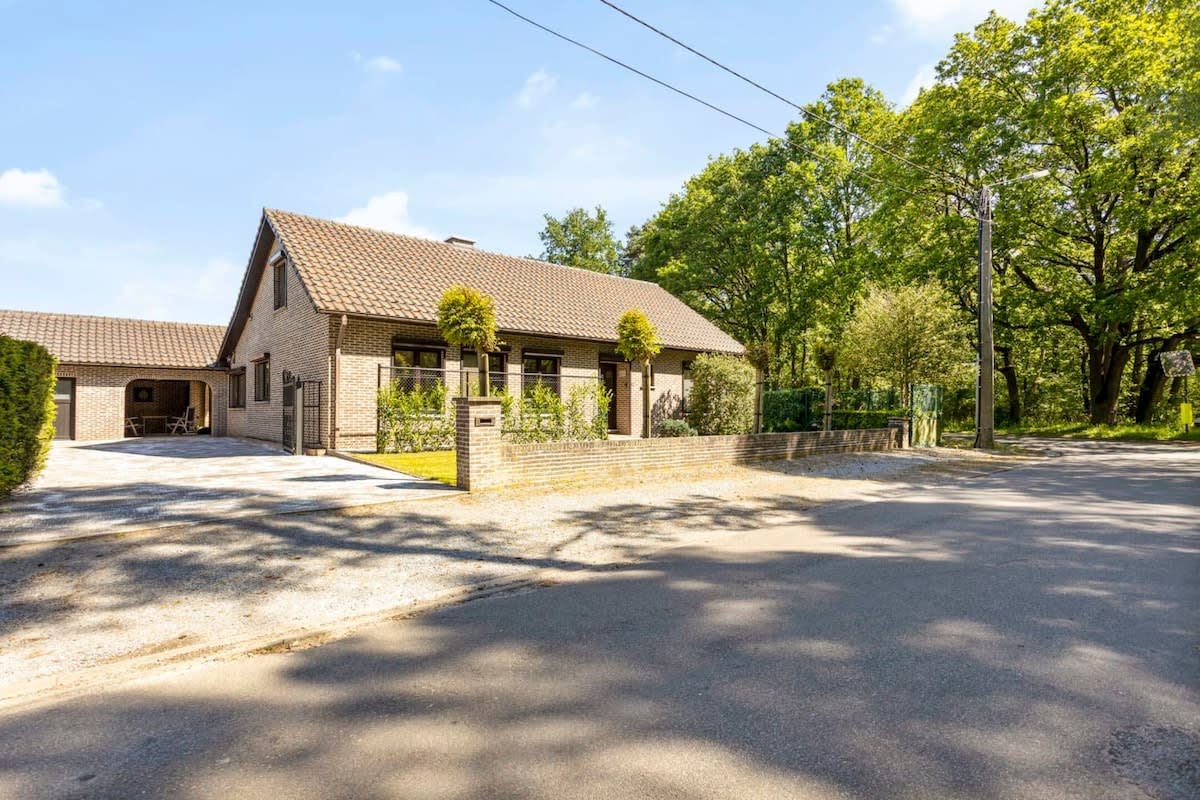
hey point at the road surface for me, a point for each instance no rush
(1028, 634)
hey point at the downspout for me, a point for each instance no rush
(337, 383)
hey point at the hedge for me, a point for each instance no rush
(26, 410)
(792, 409)
(858, 420)
(722, 400)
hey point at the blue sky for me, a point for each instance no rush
(139, 141)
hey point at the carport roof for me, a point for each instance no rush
(78, 339)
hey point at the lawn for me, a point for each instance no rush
(438, 465)
(1083, 430)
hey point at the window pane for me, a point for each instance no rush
(62, 389)
(430, 359)
(470, 360)
(403, 358)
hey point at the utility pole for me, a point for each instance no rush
(985, 407)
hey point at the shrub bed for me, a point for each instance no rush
(722, 400)
(414, 420)
(26, 410)
(540, 415)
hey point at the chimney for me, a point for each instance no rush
(460, 241)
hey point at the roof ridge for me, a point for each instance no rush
(454, 247)
(111, 319)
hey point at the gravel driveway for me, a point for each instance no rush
(74, 610)
(95, 488)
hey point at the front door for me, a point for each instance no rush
(608, 374)
(64, 408)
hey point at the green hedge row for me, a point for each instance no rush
(858, 420)
(26, 410)
(792, 409)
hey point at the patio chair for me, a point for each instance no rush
(133, 426)
(184, 424)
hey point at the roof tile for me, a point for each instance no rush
(77, 339)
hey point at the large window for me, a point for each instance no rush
(497, 369)
(280, 283)
(416, 367)
(237, 389)
(540, 369)
(262, 380)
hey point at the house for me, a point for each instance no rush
(111, 371)
(346, 309)
(341, 310)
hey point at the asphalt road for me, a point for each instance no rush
(1029, 634)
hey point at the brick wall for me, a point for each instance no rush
(100, 394)
(564, 461)
(298, 339)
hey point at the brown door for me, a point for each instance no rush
(64, 408)
(608, 374)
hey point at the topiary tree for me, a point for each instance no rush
(637, 340)
(826, 358)
(722, 399)
(26, 410)
(467, 318)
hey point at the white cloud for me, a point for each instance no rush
(383, 64)
(925, 77)
(37, 189)
(882, 35)
(584, 101)
(537, 86)
(387, 212)
(937, 17)
(377, 64)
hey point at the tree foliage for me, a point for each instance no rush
(637, 338)
(467, 317)
(582, 239)
(1098, 92)
(908, 334)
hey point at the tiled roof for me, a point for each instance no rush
(351, 270)
(76, 339)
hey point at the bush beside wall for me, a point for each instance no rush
(26, 410)
(722, 399)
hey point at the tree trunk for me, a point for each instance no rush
(1152, 384)
(827, 417)
(485, 386)
(1106, 365)
(645, 399)
(1009, 371)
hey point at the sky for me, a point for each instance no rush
(140, 141)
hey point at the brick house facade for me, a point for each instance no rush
(331, 303)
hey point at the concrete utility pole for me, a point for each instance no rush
(985, 408)
(985, 388)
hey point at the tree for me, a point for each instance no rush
(581, 240)
(1098, 92)
(467, 317)
(908, 334)
(774, 243)
(637, 340)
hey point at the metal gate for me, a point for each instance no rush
(309, 411)
(926, 411)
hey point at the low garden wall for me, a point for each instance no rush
(484, 461)
(563, 461)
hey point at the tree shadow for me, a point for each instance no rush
(984, 642)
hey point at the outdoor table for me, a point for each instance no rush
(161, 427)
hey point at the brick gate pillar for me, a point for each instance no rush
(477, 442)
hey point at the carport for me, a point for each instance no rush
(151, 405)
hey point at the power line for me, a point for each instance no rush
(690, 96)
(774, 94)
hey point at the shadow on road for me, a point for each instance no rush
(984, 642)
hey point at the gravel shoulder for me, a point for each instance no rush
(80, 613)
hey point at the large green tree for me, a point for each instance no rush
(581, 239)
(774, 243)
(1098, 92)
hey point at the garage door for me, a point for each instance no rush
(64, 406)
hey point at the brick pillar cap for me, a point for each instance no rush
(477, 401)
